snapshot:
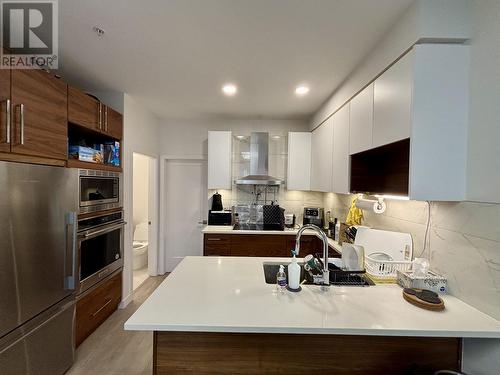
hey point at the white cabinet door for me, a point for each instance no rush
(392, 103)
(299, 161)
(219, 160)
(321, 157)
(361, 121)
(438, 157)
(341, 157)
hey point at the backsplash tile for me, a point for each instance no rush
(463, 242)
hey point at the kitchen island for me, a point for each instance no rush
(217, 315)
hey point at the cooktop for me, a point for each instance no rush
(253, 226)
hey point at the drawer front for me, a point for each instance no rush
(95, 307)
(216, 239)
(267, 245)
(217, 250)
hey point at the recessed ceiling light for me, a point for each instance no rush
(301, 90)
(98, 31)
(229, 89)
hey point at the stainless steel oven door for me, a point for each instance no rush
(100, 253)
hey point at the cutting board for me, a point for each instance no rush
(384, 241)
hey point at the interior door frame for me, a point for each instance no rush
(162, 267)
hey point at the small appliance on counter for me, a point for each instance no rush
(290, 221)
(274, 217)
(217, 202)
(314, 215)
(220, 217)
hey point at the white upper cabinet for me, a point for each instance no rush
(321, 157)
(361, 121)
(299, 161)
(438, 152)
(392, 103)
(341, 158)
(219, 160)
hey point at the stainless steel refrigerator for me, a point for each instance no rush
(38, 207)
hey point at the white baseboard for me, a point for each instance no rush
(125, 301)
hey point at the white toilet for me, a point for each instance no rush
(140, 243)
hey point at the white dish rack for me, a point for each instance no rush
(398, 246)
(386, 270)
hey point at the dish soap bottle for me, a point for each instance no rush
(294, 275)
(281, 279)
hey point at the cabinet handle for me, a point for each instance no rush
(213, 239)
(7, 104)
(21, 108)
(106, 118)
(102, 308)
(100, 116)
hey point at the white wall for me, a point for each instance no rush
(141, 130)
(425, 20)
(484, 108)
(140, 189)
(482, 356)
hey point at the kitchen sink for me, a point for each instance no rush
(337, 276)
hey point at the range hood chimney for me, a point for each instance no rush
(259, 162)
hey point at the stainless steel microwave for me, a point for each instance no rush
(99, 190)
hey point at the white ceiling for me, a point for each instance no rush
(174, 55)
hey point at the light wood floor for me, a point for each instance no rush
(111, 350)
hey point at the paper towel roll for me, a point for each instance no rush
(375, 206)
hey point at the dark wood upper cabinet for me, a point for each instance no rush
(40, 114)
(84, 110)
(113, 123)
(5, 129)
(382, 170)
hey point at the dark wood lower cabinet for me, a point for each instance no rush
(261, 245)
(95, 306)
(255, 353)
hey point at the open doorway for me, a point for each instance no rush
(144, 203)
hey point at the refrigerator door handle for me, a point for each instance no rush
(70, 256)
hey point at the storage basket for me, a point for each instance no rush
(385, 270)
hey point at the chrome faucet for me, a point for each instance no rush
(326, 271)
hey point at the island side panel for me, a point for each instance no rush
(256, 353)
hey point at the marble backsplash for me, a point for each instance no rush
(463, 242)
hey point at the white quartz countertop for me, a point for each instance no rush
(228, 229)
(229, 294)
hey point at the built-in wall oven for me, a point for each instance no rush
(100, 247)
(99, 190)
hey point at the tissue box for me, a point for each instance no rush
(432, 281)
(82, 153)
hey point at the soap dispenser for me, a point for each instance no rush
(294, 275)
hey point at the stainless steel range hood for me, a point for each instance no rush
(259, 162)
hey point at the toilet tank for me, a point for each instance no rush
(141, 232)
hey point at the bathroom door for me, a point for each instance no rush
(186, 202)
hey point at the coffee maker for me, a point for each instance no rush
(314, 215)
